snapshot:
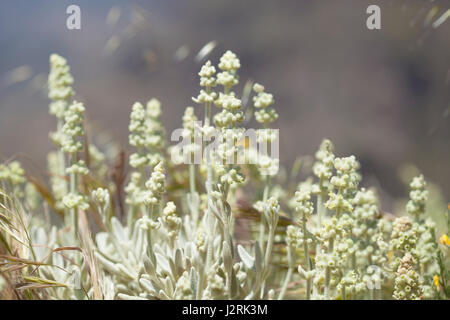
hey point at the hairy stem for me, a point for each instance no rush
(262, 227)
(209, 178)
(328, 272)
(308, 260)
(73, 190)
(290, 257)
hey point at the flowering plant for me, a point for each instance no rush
(173, 230)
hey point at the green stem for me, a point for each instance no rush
(131, 218)
(267, 257)
(209, 178)
(353, 265)
(291, 260)
(308, 260)
(327, 283)
(73, 190)
(193, 192)
(229, 241)
(328, 272)
(320, 208)
(262, 227)
(262, 230)
(192, 178)
(61, 158)
(286, 282)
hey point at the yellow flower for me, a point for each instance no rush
(444, 240)
(436, 281)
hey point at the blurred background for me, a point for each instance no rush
(382, 95)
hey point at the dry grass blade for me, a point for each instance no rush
(59, 250)
(244, 210)
(118, 176)
(13, 268)
(21, 260)
(38, 283)
(9, 232)
(89, 257)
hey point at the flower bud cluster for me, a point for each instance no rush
(427, 246)
(347, 176)
(155, 186)
(73, 129)
(408, 284)
(72, 143)
(231, 113)
(345, 181)
(216, 288)
(154, 136)
(146, 223)
(418, 197)
(262, 101)
(266, 164)
(352, 284)
(304, 205)
(366, 229)
(183, 288)
(207, 80)
(404, 235)
(59, 86)
(191, 132)
(227, 122)
(171, 221)
(102, 199)
(14, 175)
(271, 211)
(74, 200)
(294, 237)
(323, 167)
(229, 64)
(146, 134)
(346, 235)
(426, 249)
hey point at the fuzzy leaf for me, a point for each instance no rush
(118, 230)
(194, 282)
(139, 243)
(163, 295)
(108, 265)
(149, 266)
(163, 263)
(147, 285)
(248, 260)
(234, 285)
(227, 258)
(173, 267)
(122, 296)
(179, 258)
(126, 272)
